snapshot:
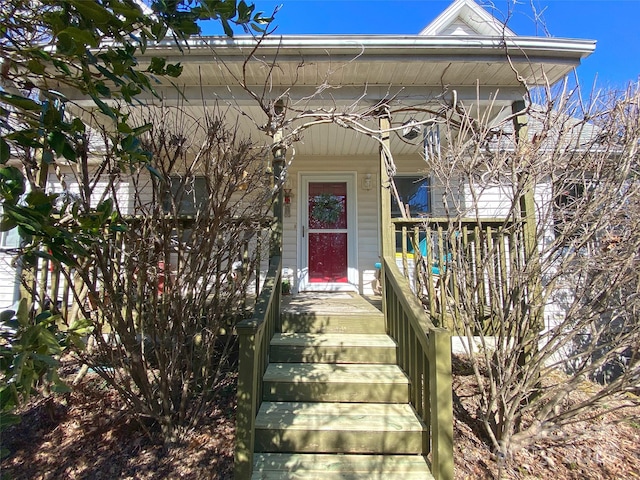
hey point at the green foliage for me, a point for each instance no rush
(30, 348)
(91, 47)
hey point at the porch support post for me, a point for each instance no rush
(386, 234)
(387, 238)
(278, 150)
(247, 402)
(441, 401)
(529, 228)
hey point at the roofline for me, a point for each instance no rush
(397, 45)
(466, 10)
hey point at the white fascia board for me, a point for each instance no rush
(380, 44)
(473, 15)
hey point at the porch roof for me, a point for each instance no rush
(384, 60)
(354, 72)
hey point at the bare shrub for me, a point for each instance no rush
(554, 284)
(166, 282)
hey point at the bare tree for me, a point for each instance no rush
(169, 277)
(548, 277)
(543, 279)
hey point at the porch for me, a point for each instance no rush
(329, 386)
(363, 384)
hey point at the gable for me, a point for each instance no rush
(466, 18)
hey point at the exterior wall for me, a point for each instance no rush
(8, 280)
(493, 201)
(368, 224)
(123, 189)
(367, 215)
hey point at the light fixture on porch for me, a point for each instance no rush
(367, 182)
(410, 129)
(287, 197)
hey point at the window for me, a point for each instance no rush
(415, 195)
(189, 194)
(10, 239)
(566, 204)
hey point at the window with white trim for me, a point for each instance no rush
(190, 195)
(415, 194)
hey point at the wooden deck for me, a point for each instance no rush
(335, 404)
(346, 303)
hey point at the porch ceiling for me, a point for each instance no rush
(378, 60)
(339, 73)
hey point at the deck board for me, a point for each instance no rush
(284, 466)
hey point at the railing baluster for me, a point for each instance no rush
(492, 285)
(502, 259)
(405, 260)
(481, 297)
(43, 294)
(425, 355)
(418, 265)
(255, 335)
(442, 269)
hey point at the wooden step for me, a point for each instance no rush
(335, 312)
(339, 322)
(306, 427)
(332, 348)
(289, 466)
(323, 382)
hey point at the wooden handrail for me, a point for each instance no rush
(254, 335)
(424, 353)
(450, 261)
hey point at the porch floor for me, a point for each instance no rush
(329, 303)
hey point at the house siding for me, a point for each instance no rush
(8, 280)
(493, 201)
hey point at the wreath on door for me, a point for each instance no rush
(327, 208)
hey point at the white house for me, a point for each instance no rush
(464, 55)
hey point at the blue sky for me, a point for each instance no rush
(613, 23)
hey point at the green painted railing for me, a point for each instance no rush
(254, 335)
(69, 294)
(424, 353)
(466, 262)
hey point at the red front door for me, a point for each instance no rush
(327, 247)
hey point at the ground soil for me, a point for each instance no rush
(87, 434)
(606, 446)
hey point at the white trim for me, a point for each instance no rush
(394, 46)
(473, 15)
(353, 274)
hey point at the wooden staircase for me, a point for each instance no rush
(335, 404)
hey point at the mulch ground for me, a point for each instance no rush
(87, 434)
(604, 447)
